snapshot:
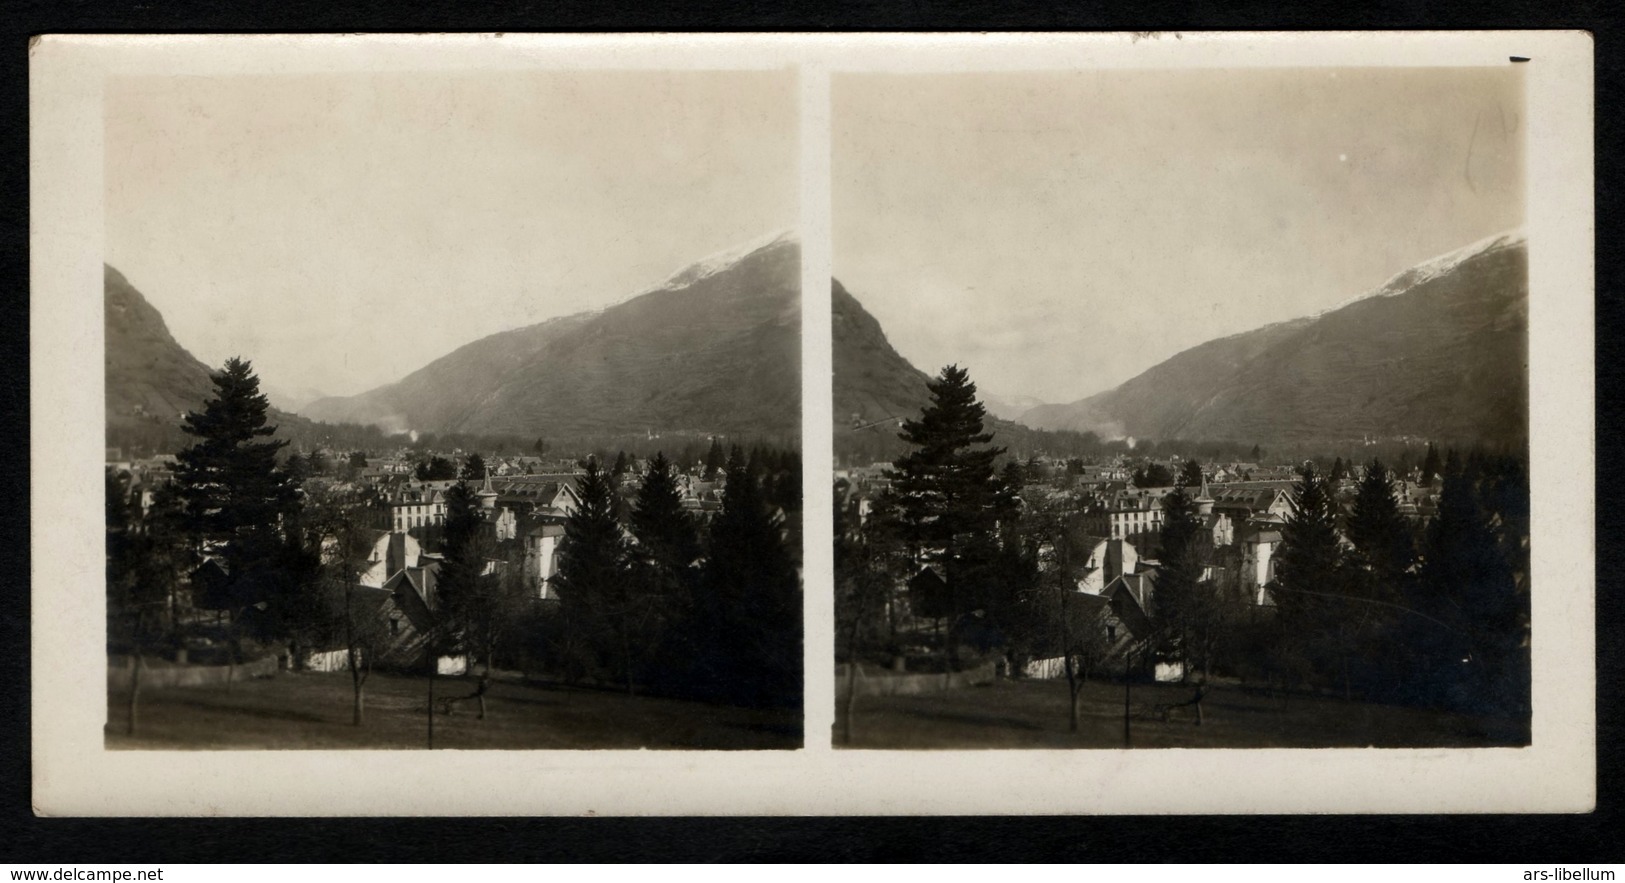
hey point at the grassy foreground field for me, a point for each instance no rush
(1033, 714)
(307, 710)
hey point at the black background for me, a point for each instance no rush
(1542, 840)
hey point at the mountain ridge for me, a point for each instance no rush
(1438, 350)
(148, 374)
(715, 347)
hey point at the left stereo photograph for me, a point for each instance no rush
(453, 410)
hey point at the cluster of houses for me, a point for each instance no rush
(1114, 539)
(518, 505)
(145, 474)
(523, 501)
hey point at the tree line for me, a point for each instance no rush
(277, 553)
(657, 601)
(1370, 604)
(1364, 601)
(877, 442)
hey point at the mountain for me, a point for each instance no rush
(1166, 392)
(152, 381)
(1439, 351)
(291, 399)
(875, 388)
(714, 348)
(872, 382)
(149, 376)
(1009, 407)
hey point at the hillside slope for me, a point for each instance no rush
(1165, 394)
(717, 347)
(149, 375)
(1439, 351)
(152, 381)
(872, 381)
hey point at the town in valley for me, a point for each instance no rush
(443, 413)
(1221, 439)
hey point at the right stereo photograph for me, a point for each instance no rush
(1181, 409)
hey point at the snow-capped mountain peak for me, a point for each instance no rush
(722, 260)
(1441, 265)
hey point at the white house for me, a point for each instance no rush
(542, 557)
(391, 553)
(1258, 563)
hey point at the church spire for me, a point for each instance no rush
(487, 494)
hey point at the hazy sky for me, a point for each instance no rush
(344, 230)
(1058, 233)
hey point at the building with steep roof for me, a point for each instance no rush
(1105, 561)
(1127, 514)
(1253, 501)
(419, 504)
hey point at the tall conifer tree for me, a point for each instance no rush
(232, 496)
(945, 487)
(664, 530)
(592, 580)
(751, 599)
(1380, 534)
(1190, 474)
(1178, 580)
(1309, 558)
(1430, 465)
(715, 459)
(466, 593)
(1467, 578)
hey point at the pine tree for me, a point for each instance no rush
(945, 486)
(620, 466)
(1371, 627)
(663, 578)
(1430, 465)
(1380, 534)
(1467, 579)
(1504, 493)
(463, 522)
(1309, 547)
(750, 606)
(146, 557)
(592, 578)
(1307, 567)
(715, 459)
(466, 548)
(232, 496)
(436, 468)
(664, 531)
(473, 468)
(1153, 475)
(1179, 607)
(1190, 475)
(786, 491)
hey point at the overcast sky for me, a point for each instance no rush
(344, 230)
(1059, 233)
